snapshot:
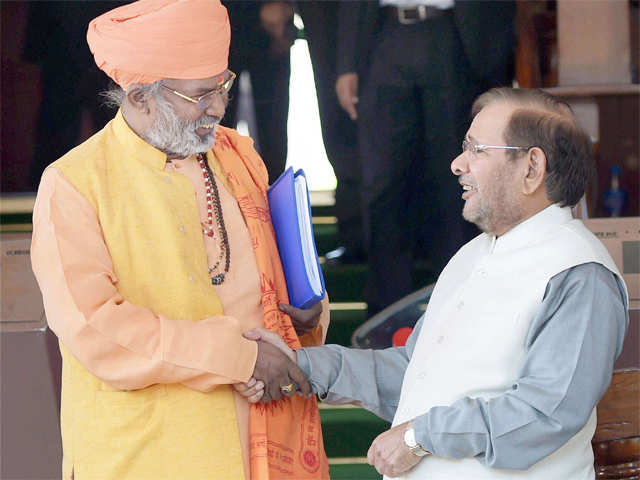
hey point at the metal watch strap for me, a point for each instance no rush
(413, 446)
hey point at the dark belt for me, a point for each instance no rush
(409, 15)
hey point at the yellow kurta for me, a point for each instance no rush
(145, 318)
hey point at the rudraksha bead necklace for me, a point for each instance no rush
(214, 209)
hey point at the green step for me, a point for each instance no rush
(326, 237)
(353, 471)
(15, 218)
(323, 210)
(343, 323)
(346, 283)
(349, 432)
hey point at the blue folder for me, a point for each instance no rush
(294, 235)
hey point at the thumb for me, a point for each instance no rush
(286, 308)
(252, 335)
(351, 110)
(353, 97)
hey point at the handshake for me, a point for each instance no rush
(276, 373)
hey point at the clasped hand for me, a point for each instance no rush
(276, 367)
(276, 373)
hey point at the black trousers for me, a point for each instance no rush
(250, 51)
(339, 132)
(414, 112)
(270, 88)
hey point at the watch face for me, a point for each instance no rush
(409, 437)
(410, 441)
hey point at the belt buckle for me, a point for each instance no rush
(402, 12)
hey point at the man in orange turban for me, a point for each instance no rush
(154, 250)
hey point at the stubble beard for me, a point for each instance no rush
(496, 208)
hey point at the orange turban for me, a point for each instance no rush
(148, 40)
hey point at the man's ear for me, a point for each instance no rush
(139, 100)
(536, 171)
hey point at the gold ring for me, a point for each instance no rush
(287, 388)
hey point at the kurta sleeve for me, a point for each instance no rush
(369, 378)
(571, 347)
(124, 345)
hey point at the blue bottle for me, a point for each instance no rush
(615, 198)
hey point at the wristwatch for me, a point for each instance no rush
(410, 442)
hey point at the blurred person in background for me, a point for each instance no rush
(70, 110)
(261, 36)
(339, 133)
(408, 71)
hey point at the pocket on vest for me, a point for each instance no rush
(126, 426)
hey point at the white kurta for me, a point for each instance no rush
(472, 343)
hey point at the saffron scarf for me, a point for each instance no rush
(285, 436)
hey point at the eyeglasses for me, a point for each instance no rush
(203, 101)
(476, 148)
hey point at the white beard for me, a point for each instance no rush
(173, 136)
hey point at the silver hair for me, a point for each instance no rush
(544, 121)
(114, 97)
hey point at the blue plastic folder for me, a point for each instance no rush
(291, 216)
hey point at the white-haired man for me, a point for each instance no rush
(501, 376)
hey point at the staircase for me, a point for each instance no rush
(348, 430)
